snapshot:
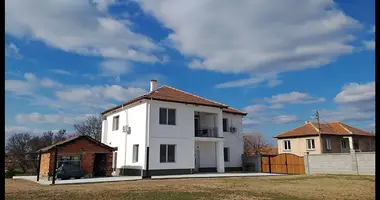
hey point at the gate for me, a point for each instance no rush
(283, 164)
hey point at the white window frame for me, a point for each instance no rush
(328, 144)
(287, 147)
(115, 127)
(167, 153)
(310, 145)
(167, 116)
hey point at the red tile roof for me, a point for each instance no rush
(170, 94)
(234, 111)
(332, 128)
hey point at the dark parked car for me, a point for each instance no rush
(67, 171)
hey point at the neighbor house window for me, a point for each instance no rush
(135, 153)
(226, 154)
(310, 144)
(328, 144)
(167, 153)
(287, 145)
(356, 145)
(225, 125)
(69, 160)
(115, 123)
(167, 116)
(344, 144)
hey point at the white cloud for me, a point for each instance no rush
(354, 93)
(13, 51)
(276, 106)
(254, 109)
(61, 72)
(255, 36)
(284, 119)
(51, 118)
(270, 78)
(29, 85)
(293, 98)
(356, 102)
(369, 44)
(78, 27)
(114, 67)
(250, 122)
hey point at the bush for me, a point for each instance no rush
(9, 173)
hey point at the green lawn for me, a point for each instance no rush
(271, 187)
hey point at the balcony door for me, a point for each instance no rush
(196, 125)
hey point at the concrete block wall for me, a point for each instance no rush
(340, 163)
(366, 163)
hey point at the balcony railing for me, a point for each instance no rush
(206, 132)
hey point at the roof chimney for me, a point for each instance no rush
(153, 85)
(306, 122)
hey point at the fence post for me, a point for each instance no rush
(55, 164)
(259, 155)
(39, 165)
(306, 163)
(270, 166)
(354, 161)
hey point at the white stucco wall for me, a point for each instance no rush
(137, 122)
(181, 134)
(234, 141)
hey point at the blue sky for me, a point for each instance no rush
(280, 61)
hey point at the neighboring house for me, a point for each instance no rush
(333, 137)
(184, 133)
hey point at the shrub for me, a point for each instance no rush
(9, 173)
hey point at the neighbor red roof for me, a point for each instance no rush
(170, 94)
(332, 128)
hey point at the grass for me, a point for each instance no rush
(271, 187)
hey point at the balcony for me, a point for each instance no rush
(206, 132)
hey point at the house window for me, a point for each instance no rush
(371, 145)
(226, 154)
(167, 153)
(310, 144)
(135, 153)
(69, 160)
(328, 144)
(287, 145)
(115, 123)
(167, 116)
(344, 144)
(356, 145)
(225, 125)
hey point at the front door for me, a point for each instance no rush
(197, 160)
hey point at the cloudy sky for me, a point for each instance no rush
(280, 61)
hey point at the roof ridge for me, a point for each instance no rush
(319, 131)
(290, 130)
(341, 124)
(194, 95)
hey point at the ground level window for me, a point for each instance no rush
(167, 153)
(226, 154)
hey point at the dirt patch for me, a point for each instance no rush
(274, 187)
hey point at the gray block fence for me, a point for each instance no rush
(356, 163)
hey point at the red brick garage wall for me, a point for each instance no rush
(87, 149)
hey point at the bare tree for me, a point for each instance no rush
(18, 146)
(92, 127)
(255, 143)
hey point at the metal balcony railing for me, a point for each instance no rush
(206, 132)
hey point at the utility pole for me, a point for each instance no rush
(319, 130)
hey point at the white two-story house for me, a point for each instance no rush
(169, 131)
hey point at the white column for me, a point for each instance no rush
(219, 123)
(104, 132)
(219, 156)
(351, 143)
